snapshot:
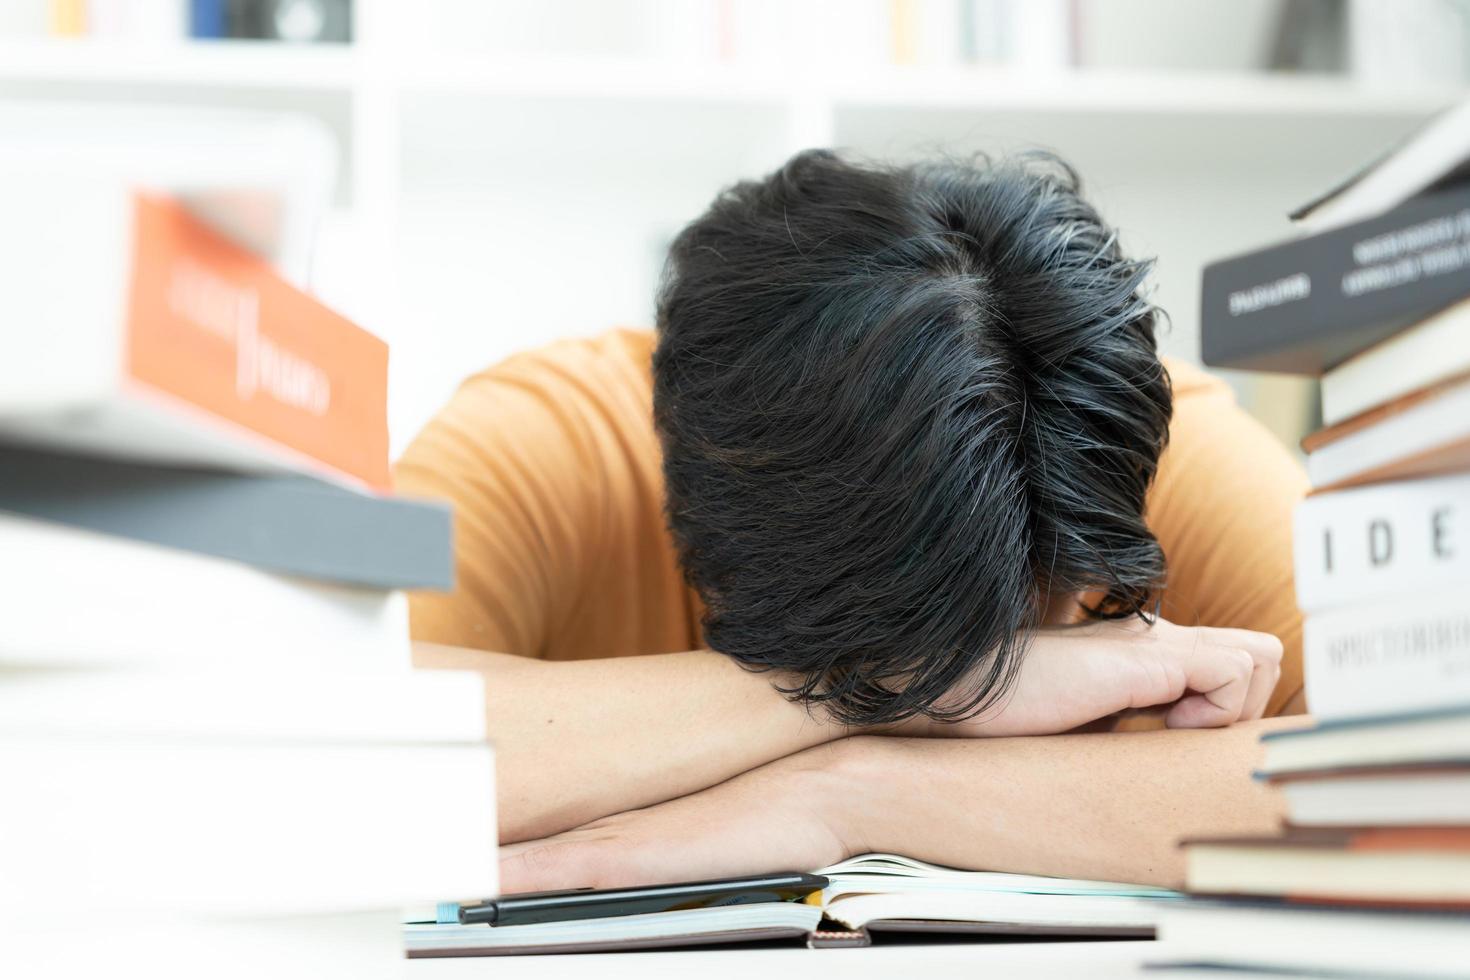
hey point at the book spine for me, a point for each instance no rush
(243, 827)
(294, 525)
(1381, 541)
(904, 25)
(1402, 655)
(1307, 305)
(146, 606)
(67, 18)
(1430, 352)
(212, 326)
(317, 704)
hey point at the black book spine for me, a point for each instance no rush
(288, 524)
(1306, 305)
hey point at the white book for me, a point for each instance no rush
(82, 598)
(307, 704)
(1380, 798)
(939, 39)
(230, 826)
(1405, 654)
(1382, 541)
(1409, 739)
(264, 179)
(1424, 438)
(1438, 149)
(1041, 33)
(1434, 350)
(1314, 940)
(72, 944)
(132, 329)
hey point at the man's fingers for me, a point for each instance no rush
(1263, 682)
(1262, 646)
(1266, 651)
(551, 864)
(1219, 681)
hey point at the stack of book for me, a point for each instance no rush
(1372, 872)
(216, 755)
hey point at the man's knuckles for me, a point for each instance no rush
(554, 864)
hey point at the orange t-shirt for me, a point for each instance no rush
(552, 464)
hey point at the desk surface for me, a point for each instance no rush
(1096, 961)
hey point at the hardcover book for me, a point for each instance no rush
(1380, 541)
(1414, 738)
(1428, 866)
(1402, 654)
(286, 523)
(1318, 940)
(77, 598)
(1379, 796)
(1434, 156)
(180, 347)
(1425, 433)
(1308, 305)
(237, 827)
(1433, 351)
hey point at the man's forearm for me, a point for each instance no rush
(579, 740)
(1095, 806)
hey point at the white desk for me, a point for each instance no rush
(1063, 961)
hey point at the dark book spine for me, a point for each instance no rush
(288, 524)
(1307, 305)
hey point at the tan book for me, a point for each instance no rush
(1424, 433)
(1424, 865)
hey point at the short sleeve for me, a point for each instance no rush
(512, 464)
(1221, 507)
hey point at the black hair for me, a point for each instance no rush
(900, 407)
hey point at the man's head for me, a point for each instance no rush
(900, 408)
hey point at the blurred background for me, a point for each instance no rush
(511, 171)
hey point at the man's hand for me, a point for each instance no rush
(1072, 675)
(775, 818)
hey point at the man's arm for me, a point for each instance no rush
(1108, 806)
(578, 740)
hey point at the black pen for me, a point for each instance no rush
(585, 903)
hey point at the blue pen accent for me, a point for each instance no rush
(447, 912)
(209, 18)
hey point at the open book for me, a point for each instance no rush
(874, 893)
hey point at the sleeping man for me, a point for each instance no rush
(896, 535)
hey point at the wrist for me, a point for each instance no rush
(847, 785)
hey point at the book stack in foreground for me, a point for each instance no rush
(1371, 874)
(216, 758)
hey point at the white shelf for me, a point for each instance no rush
(275, 65)
(589, 79)
(1244, 94)
(1118, 93)
(184, 64)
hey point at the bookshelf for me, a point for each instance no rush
(247, 65)
(492, 202)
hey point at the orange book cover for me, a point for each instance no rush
(211, 324)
